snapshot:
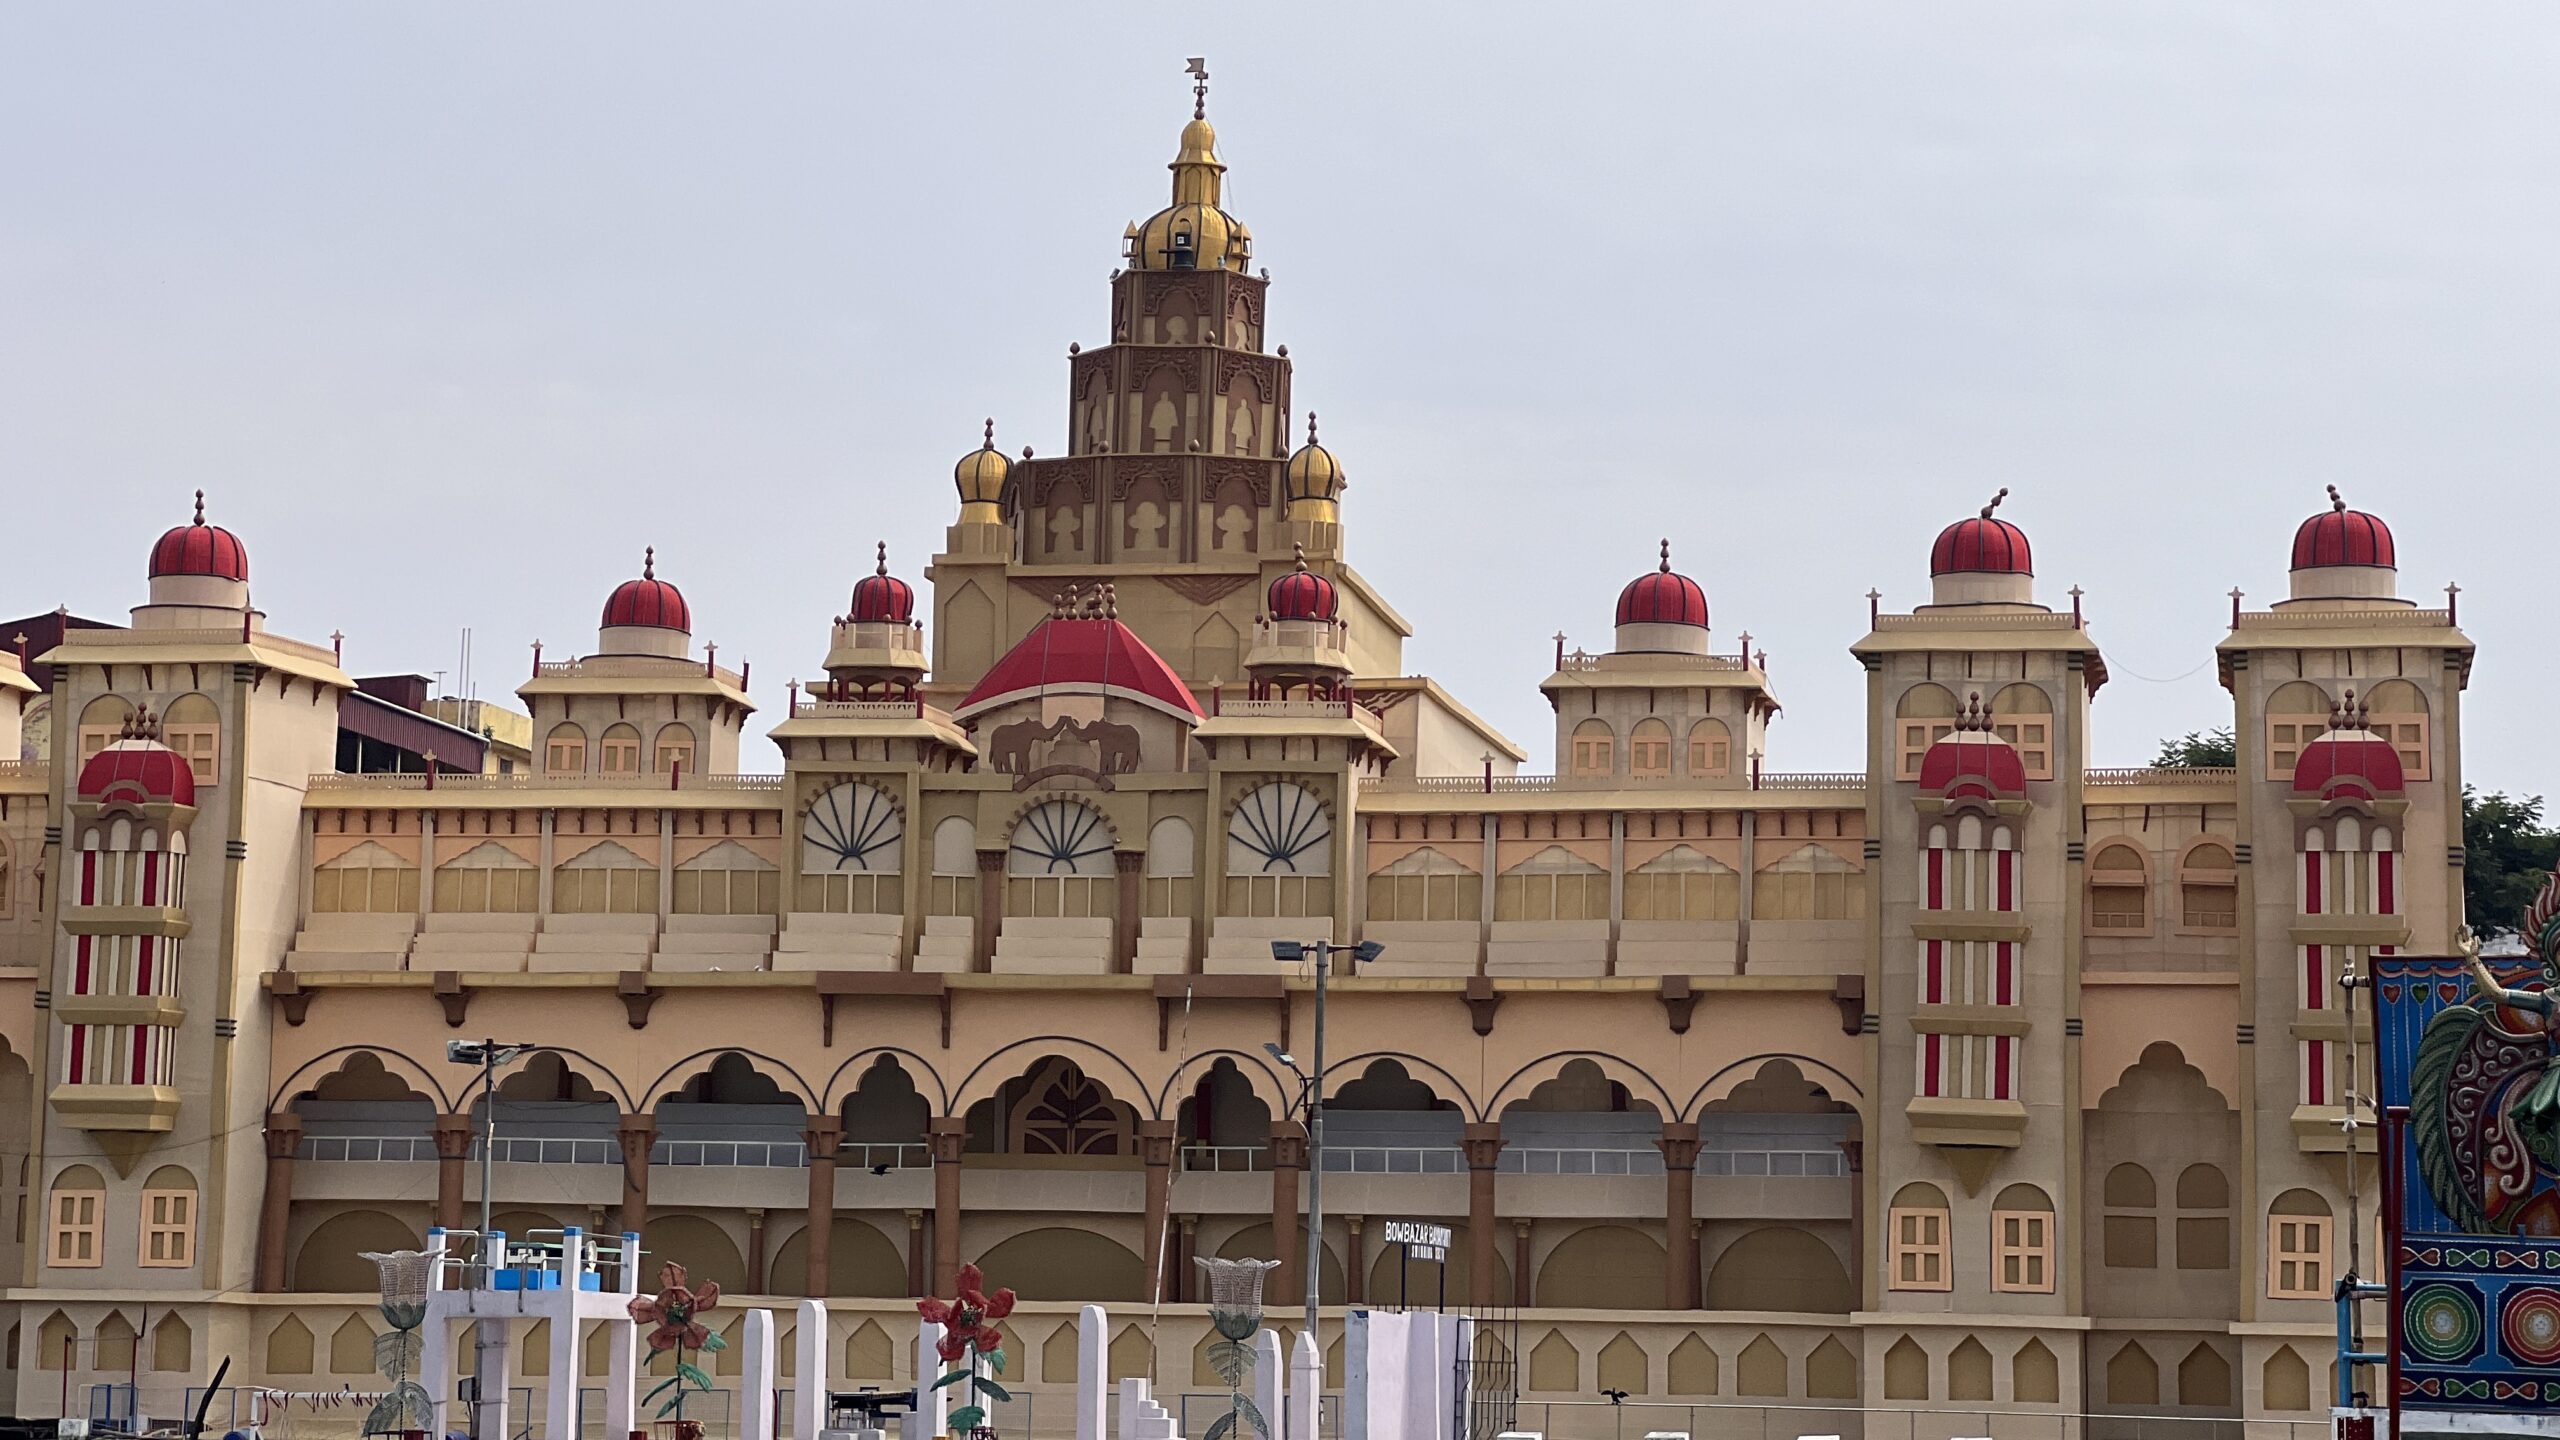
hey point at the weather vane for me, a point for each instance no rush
(1199, 72)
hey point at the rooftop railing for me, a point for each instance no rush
(1585, 660)
(221, 635)
(528, 781)
(1564, 784)
(635, 667)
(2162, 775)
(857, 709)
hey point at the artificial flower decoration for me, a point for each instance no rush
(969, 1335)
(671, 1315)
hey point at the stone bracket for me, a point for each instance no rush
(1849, 992)
(1174, 991)
(833, 985)
(1482, 1000)
(1679, 1002)
(454, 996)
(291, 998)
(637, 996)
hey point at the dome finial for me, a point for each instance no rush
(1995, 502)
(1311, 427)
(1666, 554)
(1199, 72)
(199, 507)
(649, 563)
(883, 567)
(2337, 502)
(1301, 551)
(989, 443)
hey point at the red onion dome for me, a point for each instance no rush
(881, 598)
(1981, 545)
(200, 549)
(138, 770)
(1303, 595)
(2349, 761)
(648, 601)
(1663, 598)
(2340, 536)
(1972, 761)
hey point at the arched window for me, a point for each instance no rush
(564, 750)
(1916, 1241)
(675, 750)
(2119, 889)
(488, 879)
(727, 879)
(1710, 749)
(954, 886)
(2208, 889)
(1971, 864)
(2023, 716)
(76, 1207)
(102, 723)
(2022, 1241)
(368, 880)
(1058, 863)
(1649, 750)
(2298, 1227)
(852, 852)
(1171, 865)
(1594, 748)
(1426, 884)
(168, 1219)
(2397, 711)
(1554, 884)
(2204, 1218)
(2297, 713)
(604, 879)
(193, 728)
(618, 751)
(1925, 714)
(2130, 1227)
(1683, 884)
(1280, 853)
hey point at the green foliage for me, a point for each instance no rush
(967, 1418)
(995, 1360)
(714, 1340)
(1222, 1427)
(989, 1387)
(954, 1378)
(406, 1406)
(1232, 1360)
(1253, 1412)
(2199, 749)
(2506, 851)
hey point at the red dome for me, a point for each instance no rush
(648, 601)
(1973, 762)
(881, 598)
(2349, 761)
(1663, 598)
(1981, 545)
(1082, 654)
(138, 772)
(1302, 595)
(2340, 536)
(200, 549)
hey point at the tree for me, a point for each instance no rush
(2506, 852)
(2199, 749)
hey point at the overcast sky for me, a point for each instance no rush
(452, 308)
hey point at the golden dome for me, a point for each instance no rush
(1192, 233)
(981, 476)
(1313, 478)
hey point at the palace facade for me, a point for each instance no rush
(1966, 1077)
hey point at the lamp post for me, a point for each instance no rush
(488, 1055)
(1291, 952)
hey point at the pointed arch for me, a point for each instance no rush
(1009, 1062)
(1521, 1085)
(847, 1079)
(1724, 1082)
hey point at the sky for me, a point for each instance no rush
(453, 308)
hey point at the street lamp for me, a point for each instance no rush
(488, 1055)
(1292, 952)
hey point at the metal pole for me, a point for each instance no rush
(488, 1262)
(1315, 1151)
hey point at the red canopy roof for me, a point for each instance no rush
(1086, 655)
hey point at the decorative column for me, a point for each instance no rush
(1484, 1151)
(824, 1137)
(757, 1281)
(1520, 1257)
(636, 1134)
(990, 920)
(1185, 1275)
(275, 1214)
(1155, 1147)
(1288, 1160)
(1131, 866)
(453, 1136)
(947, 1134)
(1855, 1150)
(1679, 1144)
(1355, 1266)
(917, 1260)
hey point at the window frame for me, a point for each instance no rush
(2116, 882)
(2033, 1250)
(2319, 1231)
(573, 743)
(1904, 1242)
(61, 1228)
(2194, 877)
(177, 1226)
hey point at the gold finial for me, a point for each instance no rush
(1311, 427)
(1666, 554)
(1199, 72)
(1995, 502)
(649, 563)
(989, 443)
(1301, 550)
(2337, 502)
(883, 567)
(199, 507)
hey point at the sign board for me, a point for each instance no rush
(1421, 1239)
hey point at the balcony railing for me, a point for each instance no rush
(2162, 775)
(1780, 1163)
(743, 1154)
(366, 1149)
(1585, 1160)
(601, 1150)
(1567, 784)
(526, 782)
(1226, 1158)
(857, 710)
(635, 667)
